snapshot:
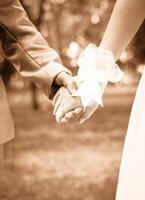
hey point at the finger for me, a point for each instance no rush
(57, 104)
(56, 97)
(58, 120)
(59, 97)
(71, 86)
(70, 115)
(64, 120)
(62, 110)
(88, 112)
(75, 113)
(69, 82)
(78, 111)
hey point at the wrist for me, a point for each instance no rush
(59, 79)
(100, 63)
(97, 67)
(109, 47)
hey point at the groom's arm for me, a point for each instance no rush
(27, 50)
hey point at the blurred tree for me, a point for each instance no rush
(69, 25)
(138, 46)
(64, 21)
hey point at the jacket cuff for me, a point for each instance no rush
(51, 71)
(45, 76)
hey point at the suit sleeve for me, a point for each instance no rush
(24, 46)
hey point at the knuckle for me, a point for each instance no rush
(72, 82)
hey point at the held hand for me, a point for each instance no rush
(66, 80)
(66, 107)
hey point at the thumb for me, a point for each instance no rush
(70, 83)
(71, 86)
(89, 110)
(66, 80)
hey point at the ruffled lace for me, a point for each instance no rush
(96, 67)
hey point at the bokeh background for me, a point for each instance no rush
(74, 162)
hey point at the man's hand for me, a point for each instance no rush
(66, 80)
(66, 107)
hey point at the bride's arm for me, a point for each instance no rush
(126, 19)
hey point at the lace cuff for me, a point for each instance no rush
(96, 67)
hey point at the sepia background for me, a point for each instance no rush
(73, 162)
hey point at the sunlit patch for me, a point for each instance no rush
(77, 163)
(125, 56)
(140, 68)
(73, 50)
(95, 19)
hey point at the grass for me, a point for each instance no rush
(75, 162)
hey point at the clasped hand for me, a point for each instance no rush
(66, 107)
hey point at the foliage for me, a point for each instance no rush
(69, 25)
(64, 21)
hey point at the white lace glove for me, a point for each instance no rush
(96, 67)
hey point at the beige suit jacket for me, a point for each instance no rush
(30, 54)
